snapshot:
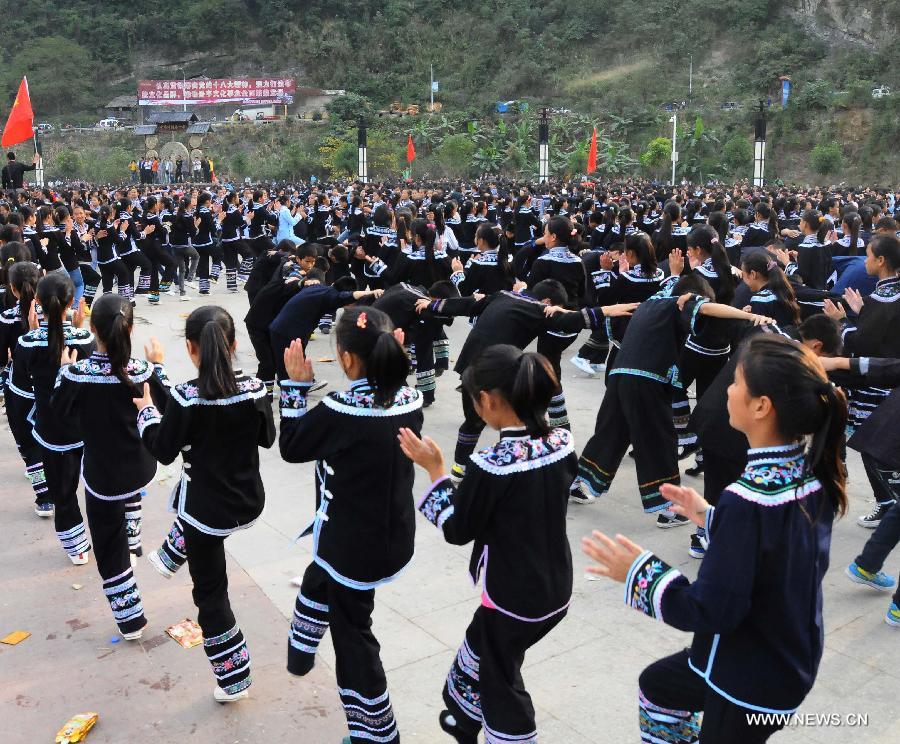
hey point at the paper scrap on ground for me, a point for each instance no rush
(324, 359)
(76, 728)
(17, 636)
(186, 633)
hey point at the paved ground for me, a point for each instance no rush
(582, 677)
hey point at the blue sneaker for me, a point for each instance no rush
(880, 580)
(44, 510)
(893, 615)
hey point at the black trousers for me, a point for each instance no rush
(637, 411)
(469, 432)
(109, 535)
(223, 640)
(119, 271)
(884, 480)
(484, 688)
(699, 368)
(206, 253)
(134, 261)
(230, 251)
(596, 348)
(262, 345)
(886, 536)
(671, 696)
(323, 602)
(161, 260)
(92, 281)
(62, 471)
(17, 409)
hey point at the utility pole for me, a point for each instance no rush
(431, 89)
(544, 147)
(674, 121)
(691, 76)
(759, 147)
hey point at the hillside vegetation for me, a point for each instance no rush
(613, 62)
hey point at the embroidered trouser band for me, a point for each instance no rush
(133, 523)
(223, 640)
(109, 534)
(172, 552)
(671, 698)
(484, 688)
(17, 410)
(62, 470)
(469, 431)
(323, 602)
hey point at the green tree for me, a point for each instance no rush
(456, 153)
(67, 163)
(349, 107)
(737, 155)
(826, 158)
(240, 164)
(657, 154)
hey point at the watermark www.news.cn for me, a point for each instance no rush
(809, 720)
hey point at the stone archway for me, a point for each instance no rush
(174, 150)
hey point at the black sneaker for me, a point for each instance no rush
(667, 519)
(871, 521)
(450, 726)
(687, 450)
(699, 544)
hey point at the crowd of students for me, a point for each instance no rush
(777, 306)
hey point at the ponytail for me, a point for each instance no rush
(706, 239)
(369, 334)
(776, 281)
(640, 244)
(805, 403)
(55, 293)
(24, 277)
(671, 215)
(425, 232)
(853, 221)
(112, 318)
(815, 220)
(526, 381)
(767, 213)
(211, 328)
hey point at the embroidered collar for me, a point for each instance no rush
(707, 269)
(636, 274)
(97, 369)
(519, 453)
(845, 241)
(775, 476)
(560, 255)
(810, 240)
(514, 432)
(761, 225)
(188, 393)
(359, 400)
(887, 290)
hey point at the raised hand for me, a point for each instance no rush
(297, 366)
(78, 315)
(424, 452)
(615, 558)
(145, 400)
(153, 351)
(834, 311)
(686, 502)
(854, 299)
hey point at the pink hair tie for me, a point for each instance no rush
(361, 321)
(771, 265)
(714, 240)
(574, 232)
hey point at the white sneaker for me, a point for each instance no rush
(579, 494)
(80, 559)
(223, 697)
(184, 298)
(153, 560)
(297, 581)
(583, 364)
(134, 636)
(599, 369)
(132, 559)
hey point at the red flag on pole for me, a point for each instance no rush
(410, 149)
(20, 124)
(592, 153)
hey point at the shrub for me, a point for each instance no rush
(826, 158)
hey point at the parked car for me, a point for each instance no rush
(111, 123)
(882, 91)
(44, 127)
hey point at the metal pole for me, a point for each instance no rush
(759, 147)
(183, 91)
(431, 87)
(674, 121)
(363, 161)
(691, 76)
(39, 170)
(544, 147)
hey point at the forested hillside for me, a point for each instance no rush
(615, 63)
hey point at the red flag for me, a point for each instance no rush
(592, 153)
(410, 149)
(20, 124)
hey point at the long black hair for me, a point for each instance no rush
(426, 233)
(54, 293)
(706, 239)
(671, 216)
(24, 277)
(561, 228)
(768, 214)
(805, 403)
(112, 318)
(640, 245)
(822, 225)
(369, 334)
(776, 282)
(526, 381)
(853, 222)
(489, 235)
(211, 328)
(887, 247)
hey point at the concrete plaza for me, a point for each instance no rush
(582, 677)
